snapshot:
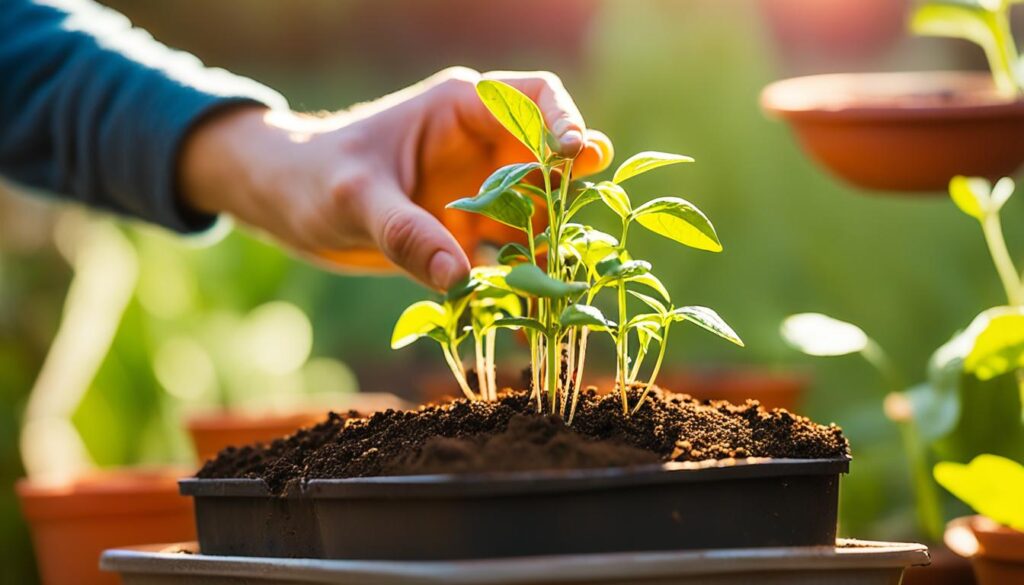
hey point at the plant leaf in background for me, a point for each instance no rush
(679, 220)
(991, 485)
(708, 319)
(517, 113)
(977, 197)
(820, 335)
(577, 315)
(999, 347)
(418, 320)
(642, 162)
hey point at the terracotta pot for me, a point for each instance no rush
(903, 131)
(73, 522)
(996, 552)
(213, 431)
(827, 30)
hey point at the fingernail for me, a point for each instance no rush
(442, 270)
(572, 142)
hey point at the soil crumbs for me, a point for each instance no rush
(509, 435)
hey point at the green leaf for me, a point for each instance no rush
(679, 220)
(517, 113)
(585, 198)
(645, 161)
(519, 323)
(592, 246)
(418, 320)
(649, 320)
(820, 335)
(935, 409)
(613, 268)
(650, 302)
(498, 201)
(613, 196)
(991, 485)
(532, 280)
(1002, 191)
(511, 254)
(999, 346)
(708, 319)
(585, 316)
(652, 282)
(971, 195)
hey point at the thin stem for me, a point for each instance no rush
(993, 230)
(460, 376)
(622, 347)
(880, 360)
(481, 366)
(657, 366)
(570, 370)
(489, 362)
(552, 374)
(1002, 55)
(579, 372)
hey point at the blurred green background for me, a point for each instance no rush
(663, 75)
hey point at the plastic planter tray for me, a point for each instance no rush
(677, 506)
(846, 563)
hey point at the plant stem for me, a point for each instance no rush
(657, 366)
(929, 509)
(880, 360)
(993, 230)
(489, 362)
(460, 376)
(1002, 56)
(481, 366)
(579, 372)
(623, 347)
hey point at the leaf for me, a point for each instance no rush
(613, 196)
(532, 280)
(650, 302)
(519, 323)
(652, 282)
(999, 346)
(820, 335)
(935, 410)
(511, 254)
(585, 198)
(650, 320)
(679, 220)
(971, 195)
(1002, 191)
(517, 113)
(708, 319)
(989, 484)
(585, 316)
(645, 161)
(612, 268)
(593, 246)
(418, 320)
(498, 201)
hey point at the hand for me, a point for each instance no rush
(363, 187)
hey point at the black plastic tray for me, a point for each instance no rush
(677, 506)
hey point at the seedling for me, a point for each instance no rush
(548, 285)
(971, 402)
(983, 22)
(989, 484)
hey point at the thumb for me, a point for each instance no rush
(415, 240)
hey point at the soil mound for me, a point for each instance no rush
(509, 435)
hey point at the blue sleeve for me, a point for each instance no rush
(94, 110)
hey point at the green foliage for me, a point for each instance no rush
(989, 484)
(985, 23)
(559, 292)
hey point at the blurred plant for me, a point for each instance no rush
(971, 402)
(991, 485)
(559, 289)
(983, 22)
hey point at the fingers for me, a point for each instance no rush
(596, 155)
(560, 113)
(415, 240)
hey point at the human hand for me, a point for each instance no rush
(366, 188)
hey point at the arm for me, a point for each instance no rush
(94, 110)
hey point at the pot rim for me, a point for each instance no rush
(840, 97)
(523, 482)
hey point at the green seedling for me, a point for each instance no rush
(971, 401)
(983, 22)
(548, 285)
(990, 485)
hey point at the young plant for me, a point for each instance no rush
(972, 401)
(983, 22)
(990, 485)
(555, 276)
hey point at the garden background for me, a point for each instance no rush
(239, 322)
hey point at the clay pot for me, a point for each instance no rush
(996, 552)
(827, 30)
(73, 522)
(903, 131)
(213, 431)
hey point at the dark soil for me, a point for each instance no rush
(509, 435)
